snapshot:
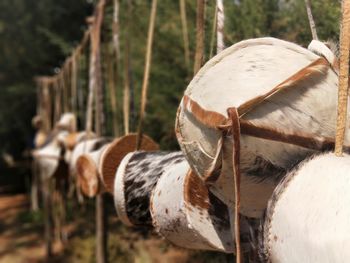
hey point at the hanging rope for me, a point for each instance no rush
(185, 33)
(213, 32)
(236, 134)
(220, 26)
(146, 72)
(343, 78)
(311, 20)
(127, 72)
(199, 54)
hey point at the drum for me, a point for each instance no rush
(116, 151)
(88, 172)
(136, 177)
(187, 214)
(308, 216)
(285, 99)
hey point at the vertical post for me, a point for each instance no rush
(343, 78)
(96, 88)
(47, 217)
(34, 193)
(199, 54)
(74, 82)
(47, 105)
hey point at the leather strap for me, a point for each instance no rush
(236, 134)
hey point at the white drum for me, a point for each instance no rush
(308, 216)
(279, 128)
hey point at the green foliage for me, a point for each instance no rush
(37, 35)
(35, 38)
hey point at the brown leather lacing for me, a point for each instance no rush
(236, 134)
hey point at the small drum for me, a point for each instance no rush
(136, 177)
(48, 158)
(83, 147)
(116, 151)
(187, 214)
(88, 172)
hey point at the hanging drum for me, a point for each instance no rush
(50, 158)
(285, 98)
(187, 214)
(115, 153)
(67, 122)
(136, 177)
(88, 172)
(308, 216)
(85, 147)
(70, 140)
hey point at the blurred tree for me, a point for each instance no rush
(36, 35)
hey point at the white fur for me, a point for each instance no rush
(81, 148)
(320, 48)
(119, 194)
(48, 159)
(67, 122)
(309, 219)
(180, 222)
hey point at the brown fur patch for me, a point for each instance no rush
(87, 175)
(196, 193)
(211, 119)
(305, 140)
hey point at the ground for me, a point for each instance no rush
(21, 238)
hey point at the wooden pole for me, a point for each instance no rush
(46, 105)
(95, 87)
(343, 78)
(34, 191)
(47, 218)
(74, 81)
(185, 33)
(147, 71)
(311, 20)
(199, 54)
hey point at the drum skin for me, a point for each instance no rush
(308, 216)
